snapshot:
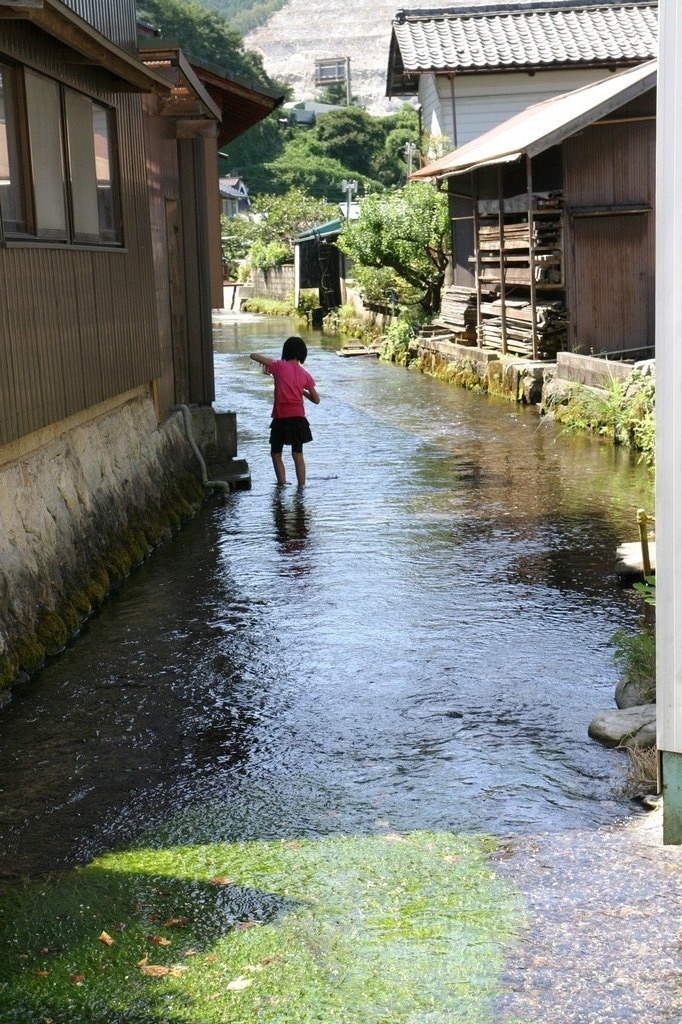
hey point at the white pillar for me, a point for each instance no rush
(669, 415)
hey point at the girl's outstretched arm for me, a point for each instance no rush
(312, 394)
(263, 360)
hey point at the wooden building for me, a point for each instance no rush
(110, 265)
(110, 244)
(553, 225)
(477, 63)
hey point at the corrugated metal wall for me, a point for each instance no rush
(609, 253)
(77, 326)
(115, 19)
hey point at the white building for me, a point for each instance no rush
(475, 65)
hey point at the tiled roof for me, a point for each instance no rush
(541, 34)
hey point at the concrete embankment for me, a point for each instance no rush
(81, 503)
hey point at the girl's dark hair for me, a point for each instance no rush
(295, 348)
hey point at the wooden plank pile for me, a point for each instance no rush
(458, 311)
(552, 327)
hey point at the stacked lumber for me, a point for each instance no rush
(458, 311)
(552, 327)
(546, 235)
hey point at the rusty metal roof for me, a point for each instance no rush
(545, 124)
(524, 35)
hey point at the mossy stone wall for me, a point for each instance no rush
(76, 514)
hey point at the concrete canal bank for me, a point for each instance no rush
(81, 503)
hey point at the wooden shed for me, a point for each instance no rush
(553, 224)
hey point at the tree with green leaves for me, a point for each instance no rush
(266, 235)
(204, 35)
(408, 230)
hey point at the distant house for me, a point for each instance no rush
(234, 196)
(553, 223)
(473, 66)
(109, 268)
(306, 112)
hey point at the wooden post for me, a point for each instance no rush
(477, 244)
(503, 260)
(531, 257)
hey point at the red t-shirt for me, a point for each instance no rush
(290, 381)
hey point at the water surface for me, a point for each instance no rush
(417, 640)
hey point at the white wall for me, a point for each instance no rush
(669, 383)
(484, 101)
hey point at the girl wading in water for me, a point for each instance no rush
(289, 423)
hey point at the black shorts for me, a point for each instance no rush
(293, 430)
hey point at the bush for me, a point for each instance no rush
(636, 656)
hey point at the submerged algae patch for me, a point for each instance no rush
(346, 930)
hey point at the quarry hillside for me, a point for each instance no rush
(305, 30)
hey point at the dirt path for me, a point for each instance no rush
(604, 943)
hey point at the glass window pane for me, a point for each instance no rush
(12, 202)
(102, 127)
(44, 128)
(82, 166)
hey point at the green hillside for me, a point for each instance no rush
(243, 15)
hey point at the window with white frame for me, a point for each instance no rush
(58, 171)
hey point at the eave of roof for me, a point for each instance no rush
(236, 103)
(528, 35)
(86, 44)
(544, 124)
(243, 101)
(326, 230)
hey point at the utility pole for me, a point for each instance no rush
(410, 147)
(348, 92)
(349, 188)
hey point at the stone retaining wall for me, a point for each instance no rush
(276, 283)
(80, 504)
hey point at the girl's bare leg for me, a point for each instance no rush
(280, 471)
(299, 465)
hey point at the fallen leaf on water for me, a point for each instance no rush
(143, 962)
(211, 958)
(239, 983)
(174, 922)
(77, 979)
(159, 940)
(190, 952)
(451, 858)
(395, 837)
(42, 974)
(106, 939)
(220, 880)
(247, 924)
(292, 843)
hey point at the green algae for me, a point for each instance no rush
(128, 548)
(346, 930)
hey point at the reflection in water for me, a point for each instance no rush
(451, 582)
(292, 527)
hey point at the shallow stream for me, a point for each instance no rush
(417, 641)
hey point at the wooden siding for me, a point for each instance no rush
(164, 196)
(77, 325)
(610, 252)
(482, 101)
